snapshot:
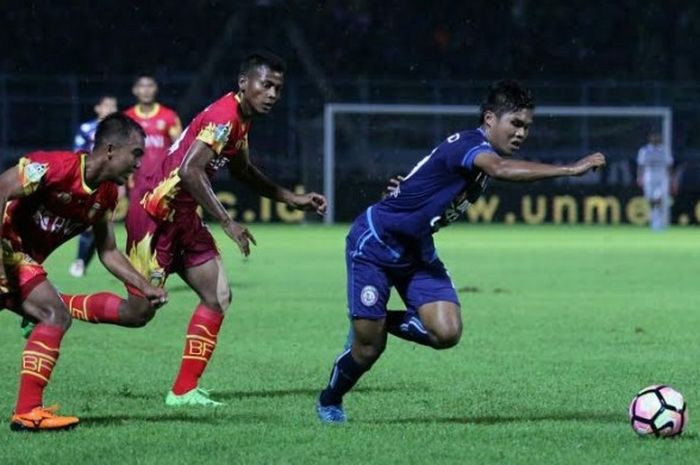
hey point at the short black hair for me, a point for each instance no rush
(104, 97)
(506, 96)
(115, 129)
(262, 57)
(138, 77)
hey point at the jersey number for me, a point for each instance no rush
(424, 160)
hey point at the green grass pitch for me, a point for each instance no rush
(562, 326)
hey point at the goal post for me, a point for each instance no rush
(332, 110)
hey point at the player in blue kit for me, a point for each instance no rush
(390, 244)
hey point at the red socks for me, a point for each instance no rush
(38, 359)
(200, 342)
(101, 307)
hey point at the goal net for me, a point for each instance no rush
(366, 144)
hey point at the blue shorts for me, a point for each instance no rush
(375, 265)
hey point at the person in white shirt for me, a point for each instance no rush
(653, 176)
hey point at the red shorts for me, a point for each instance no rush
(157, 248)
(23, 275)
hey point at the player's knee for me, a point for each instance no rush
(55, 315)
(224, 298)
(220, 302)
(367, 354)
(448, 334)
(141, 318)
(136, 313)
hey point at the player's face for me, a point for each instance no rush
(106, 107)
(145, 90)
(508, 132)
(261, 89)
(125, 158)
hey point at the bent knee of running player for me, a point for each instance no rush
(216, 297)
(443, 322)
(210, 283)
(45, 305)
(136, 311)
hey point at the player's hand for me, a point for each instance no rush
(156, 296)
(586, 164)
(240, 235)
(393, 186)
(310, 201)
(4, 282)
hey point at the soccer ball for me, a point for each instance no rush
(659, 410)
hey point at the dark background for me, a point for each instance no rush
(58, 57)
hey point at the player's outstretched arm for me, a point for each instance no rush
(10, 188)
(246, 172)
(117, 264)
(194, 178)
(506, 169)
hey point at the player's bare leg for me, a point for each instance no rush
(38, 360)
(136, 311)
(368, 344)
(443, 322)
(210, 283)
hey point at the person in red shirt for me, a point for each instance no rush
(49, 198)
(166, 235)
(160, 123)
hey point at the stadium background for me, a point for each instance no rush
(563, 325)
(59, 59)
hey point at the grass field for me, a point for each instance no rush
(562, 326)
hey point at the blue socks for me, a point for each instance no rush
(346, 372)
(410, 329)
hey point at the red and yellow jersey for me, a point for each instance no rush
(58, 206)
(221, 127)
(162, 126)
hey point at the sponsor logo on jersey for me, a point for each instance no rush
(215, 135)
(460, 204)
(155, 141)
(33, 172)
(222, 132)
(51, 223)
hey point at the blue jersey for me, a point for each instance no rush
(435, 193)
(85, 137)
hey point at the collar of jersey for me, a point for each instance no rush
(140, 114)
(244, 123)
(86, 188)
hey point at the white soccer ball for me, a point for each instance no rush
(658, 410)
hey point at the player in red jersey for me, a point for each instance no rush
(166, 235)
(48, 198)
(160, 123)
